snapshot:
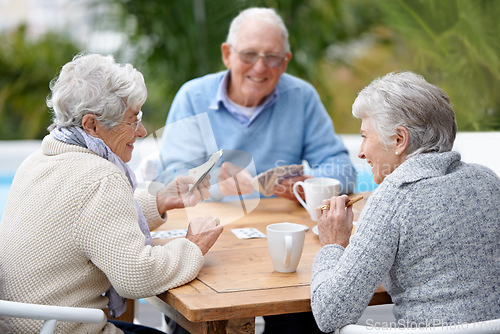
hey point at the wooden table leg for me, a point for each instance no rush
(241, 326)
(128, 316)
(232, 326)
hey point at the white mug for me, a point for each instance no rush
(285, 242)
(316, 190)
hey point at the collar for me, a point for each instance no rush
(425, 166)
(222, 101)
(51, 146)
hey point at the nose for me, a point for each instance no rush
(141, 131)
(361, 155)
(260, 65)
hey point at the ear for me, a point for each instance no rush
(90, 125)
(402, 139)
(288, 56)
(226, 52)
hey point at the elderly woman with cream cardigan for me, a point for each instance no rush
(74, 231)
(430, 232)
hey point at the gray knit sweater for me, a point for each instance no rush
(431, 234)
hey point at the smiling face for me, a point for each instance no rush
(383, 160)
(251, 83)
(122, 137)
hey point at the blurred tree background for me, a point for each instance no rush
(340, 46)
(26, 68)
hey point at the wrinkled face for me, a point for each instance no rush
(382, 160)
(121, 138)
(251, 83)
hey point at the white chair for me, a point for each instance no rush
(484, 327)
(51, 314)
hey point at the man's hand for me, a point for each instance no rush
(234, 180)
(204, 232)
(285, 188)
(176, 194)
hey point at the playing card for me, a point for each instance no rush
(286, 172)
(169, 234)
(247, 233)
(201, 171)
(266, 181)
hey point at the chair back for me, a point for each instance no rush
(50, 314)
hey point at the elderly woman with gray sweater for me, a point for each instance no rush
(74, 231)
(430, 232)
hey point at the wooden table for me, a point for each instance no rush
(238, 282)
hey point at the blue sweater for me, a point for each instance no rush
(431, 233)
(294, 128)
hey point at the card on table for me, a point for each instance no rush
(169, 234)
(247, 233)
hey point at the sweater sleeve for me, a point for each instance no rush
(147, 201)
(343, 281)
(107, 232)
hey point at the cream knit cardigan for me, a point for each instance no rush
(70, 230)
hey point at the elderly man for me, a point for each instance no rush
(256, 108)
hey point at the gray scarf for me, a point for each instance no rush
(76, 136)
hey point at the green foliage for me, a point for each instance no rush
(454, 44)
(26, 68)
(316, 25)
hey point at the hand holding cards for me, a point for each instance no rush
(266, 182)
(200, 172)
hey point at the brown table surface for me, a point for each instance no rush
(237, 282)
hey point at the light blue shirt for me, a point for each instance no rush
(291, 126)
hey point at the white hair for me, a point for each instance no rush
(407, 99)
(95, 84)
(267, 15)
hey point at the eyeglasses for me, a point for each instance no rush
(251, 57)
(135, 125)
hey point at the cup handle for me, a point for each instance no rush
(296, 193)
(288, 253)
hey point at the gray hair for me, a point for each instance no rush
(95, 84)
(407, 99)
(267, 15)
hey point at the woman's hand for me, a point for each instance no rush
(335, 224)
(204, 232)
(234, 180)
(176, 194)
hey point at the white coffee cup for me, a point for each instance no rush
(285, 242)
(316, 190)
